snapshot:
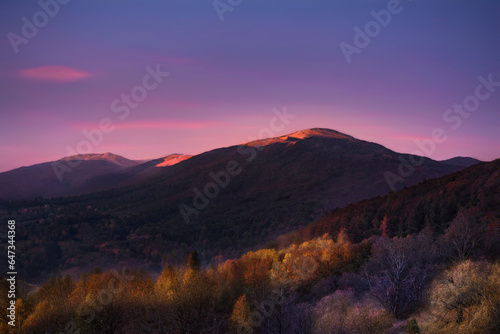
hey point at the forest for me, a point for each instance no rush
(425, 259)
(421, 283)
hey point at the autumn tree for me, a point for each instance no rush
(198, 304)
(240, 317)
(167, 283)
(98, 298)
(44, 319)
(466, 299)
(56, 290)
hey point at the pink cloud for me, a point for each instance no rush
(171, 125)
(54, 73)
(151, 124)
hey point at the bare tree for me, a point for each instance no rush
(464, 235)
(398, 270)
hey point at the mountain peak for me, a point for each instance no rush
(318, 132)
(292, 138)
(461, 161)
(91, 156)
(173, 159)
(110, 157)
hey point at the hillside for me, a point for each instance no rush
(431, 204)
(461, 161)
(444, 279)
(283, 183)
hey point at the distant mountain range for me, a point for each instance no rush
(87, 173)
(220, 202)
(461, 161)
(76, 175)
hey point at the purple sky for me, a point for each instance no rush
(227, 77)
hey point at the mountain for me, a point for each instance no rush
(221, 202)
(461, 161)
(109, 157)
(87, 173)
(76, 175)
(173, 159)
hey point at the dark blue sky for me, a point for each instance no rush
(226, 77)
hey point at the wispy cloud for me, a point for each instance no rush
(169, 125)
(54, 74)
(156, 124)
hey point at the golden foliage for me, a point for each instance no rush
(466, 299)
(240, 317)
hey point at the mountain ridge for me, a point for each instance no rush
(461, 161)
(270, 190)
(101, 171)
(111, 157)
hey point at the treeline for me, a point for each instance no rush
(430, 205)
(421, 283)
